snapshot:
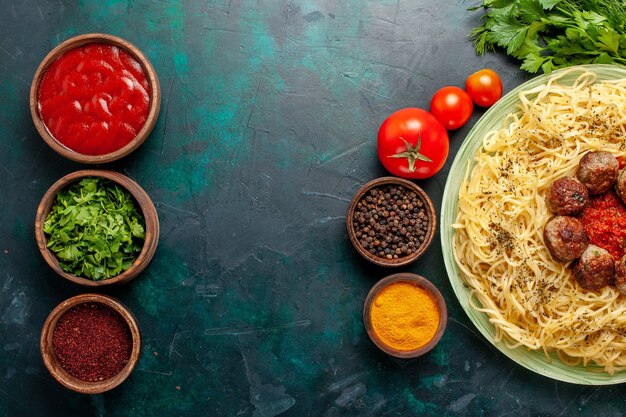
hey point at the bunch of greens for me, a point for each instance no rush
(551, 34)
(95, 229)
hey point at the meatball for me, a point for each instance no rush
(565, 238)
(595, 268)
(620, 275)
(598, 171)
(620, 185)
(567, 197)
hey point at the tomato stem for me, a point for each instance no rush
(412, 153)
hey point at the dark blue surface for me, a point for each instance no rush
(252, 305)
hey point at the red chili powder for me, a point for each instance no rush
(604, 219)
(94, 98)
(92, 342)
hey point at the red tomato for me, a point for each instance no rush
(412, 144)
(484, 87)
(452, 107)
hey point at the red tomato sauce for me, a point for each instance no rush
(94, 99)
(604, 219)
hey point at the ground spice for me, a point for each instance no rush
(501, 238)
(405, 316)
(92, 342)
(390, 221)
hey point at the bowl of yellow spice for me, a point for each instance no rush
(405, 315)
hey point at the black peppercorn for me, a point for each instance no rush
(391, 219)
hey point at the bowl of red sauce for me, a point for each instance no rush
(90, 343)
(95, 98)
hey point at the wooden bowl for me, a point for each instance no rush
(141, 198)
(428, 207)
(153, 112)
(52, 363)
(425, 284)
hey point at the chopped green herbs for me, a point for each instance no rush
(551, 34)
(95, 229)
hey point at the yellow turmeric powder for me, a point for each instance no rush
(404, 315)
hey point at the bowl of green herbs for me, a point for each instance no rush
(97, 227)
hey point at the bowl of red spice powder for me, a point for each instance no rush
(90, 343)
(405, 315)
(391, 221)
(95, 98)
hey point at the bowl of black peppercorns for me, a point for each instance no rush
(391, 221)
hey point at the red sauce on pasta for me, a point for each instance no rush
(604, 219)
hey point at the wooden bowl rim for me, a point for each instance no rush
(142, 199)
(422, 282)
(55, 368)
(428, 206)
(155, 97)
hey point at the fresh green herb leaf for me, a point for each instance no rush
(549, 4)
(531, 11)
(608, 40)
(548, 66)
(532, 63)
(95, 229)
(604, 58)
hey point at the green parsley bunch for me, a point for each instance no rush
(551, 34)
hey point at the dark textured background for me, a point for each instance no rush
(252, 304)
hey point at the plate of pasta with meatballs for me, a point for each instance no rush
(533, 225)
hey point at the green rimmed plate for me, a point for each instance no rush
(492, 120)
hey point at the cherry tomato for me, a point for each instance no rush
(452, 107)
(484, 87)
(412, 144)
